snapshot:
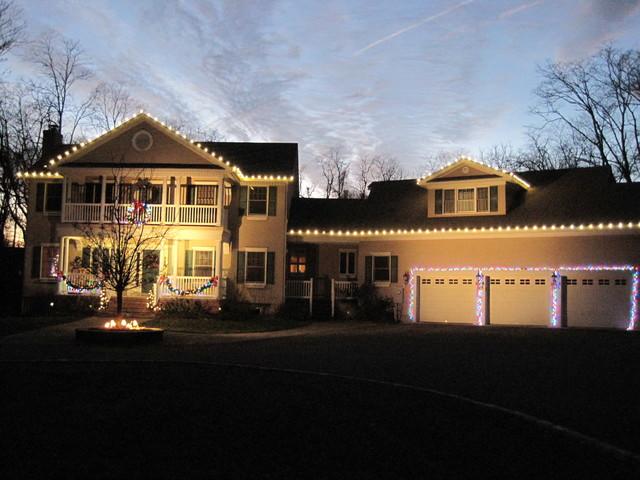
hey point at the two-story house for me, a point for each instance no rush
(466, 244)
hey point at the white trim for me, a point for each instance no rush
(262, 250)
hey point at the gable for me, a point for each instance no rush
(163, 150)
(464, 171)
(466, 168)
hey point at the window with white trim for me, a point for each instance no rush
(453, 201)
(203, 259)
(256, 267)
(382, 269)
(258, 200)
(347, 263)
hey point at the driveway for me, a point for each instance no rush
(405, 400)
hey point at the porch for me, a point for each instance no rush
(304, 289)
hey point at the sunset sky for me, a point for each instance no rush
(404, 78)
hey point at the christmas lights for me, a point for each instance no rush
(72, 287)
(555, 319)
(434, 231)
(104, 300)
(480, 299)
(212, 282)
(138, 213)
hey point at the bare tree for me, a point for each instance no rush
(11, 26)
(111, 106)
(435, 161)
(387, 168)
(335, 171)
(364, 174)
(596, 99)
(62, 65)
(118, 246)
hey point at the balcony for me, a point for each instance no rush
(160, 214)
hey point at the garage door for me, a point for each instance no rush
(447, 298)
(598, 299)
(519, 298)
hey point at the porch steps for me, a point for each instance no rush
(134, 307)
(321, 309)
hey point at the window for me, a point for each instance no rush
(48, 197)
(203, 262)
(381, 269)
(89, 192)
(347, 263)
(227, 195)
(45, 262)
(466, 200)
(151, 194)
(255, 269)
(258, 200)
(200, 194)
(122, 194)
(297, 261)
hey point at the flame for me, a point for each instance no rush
(123, 325)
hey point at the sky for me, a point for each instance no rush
(402, 78)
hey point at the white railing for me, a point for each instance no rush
(81, 212)
(183, 214)
(183, 284)
(198, 214)
(300, 289)
(78, 279)
(342, 290)
(346, 289)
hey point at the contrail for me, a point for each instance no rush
(519, 8)
(414, 25)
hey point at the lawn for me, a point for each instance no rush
(217, 325)
(18, 324)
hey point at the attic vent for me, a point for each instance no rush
(465, 169)
(142, 141)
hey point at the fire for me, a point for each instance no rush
(123, 325)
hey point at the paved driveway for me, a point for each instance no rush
(373, 391)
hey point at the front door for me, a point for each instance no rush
(150, 269)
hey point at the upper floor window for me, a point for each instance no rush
(200, 194)
(48, 197)
(258, 200)
(466, 200)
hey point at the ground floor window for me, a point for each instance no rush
(297, 261)
(203, 262)
(381, 268)
(347, 265)
(45, 262)
(256, 267)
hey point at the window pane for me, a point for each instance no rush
(255, 267)
(343, 262)
(258, 200)
(54, 197)
(449, 201)
(483, 199)
(465, 200)
(49, 262)
(352, 263)
(438, 205)
(493, 193)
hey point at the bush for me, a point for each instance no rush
(185, 308)
(292, 310)
(373, 307)
(61, 305)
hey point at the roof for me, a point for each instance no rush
(560, 197)
(259, 158)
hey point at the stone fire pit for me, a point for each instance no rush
(119, 333)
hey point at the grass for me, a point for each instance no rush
(17, 324)
(218, 325)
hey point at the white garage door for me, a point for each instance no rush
(519, 298)
(598, 299)
(447, 297)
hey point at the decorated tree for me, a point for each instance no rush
(118, 244)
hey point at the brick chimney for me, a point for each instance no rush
(51, 140)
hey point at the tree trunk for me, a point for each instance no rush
(119, 299)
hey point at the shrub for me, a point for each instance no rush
(180, 307)
(61, 305)
(373, 307)
(292, 310)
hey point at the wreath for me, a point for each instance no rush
(138, 213)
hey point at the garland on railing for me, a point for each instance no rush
(212, 282)
(90, 286)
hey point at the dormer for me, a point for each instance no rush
(469, 188)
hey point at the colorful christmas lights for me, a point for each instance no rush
(212, 282)
(555, 319)
(138, 213)
(90, 286)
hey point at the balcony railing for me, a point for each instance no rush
(159, 214)
(186, 284)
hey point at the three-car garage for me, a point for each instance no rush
(584, 298)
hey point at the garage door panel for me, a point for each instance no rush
(519, 298)
(598, 299)
(447, 298)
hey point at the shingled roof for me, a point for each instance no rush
(578, 195)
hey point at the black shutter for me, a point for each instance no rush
(368, 269)
(35, 261)
(86, 257)
(39, 197)
(242, 205)
(438, 203)
(188, 263)
(271, 268)
(273, 200)
(394, 269)
(240, 276)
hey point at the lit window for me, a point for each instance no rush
(203, 263)
(200, 194)
(297, 262)
(258, 197)
(49, 261)
(466, 201)
(255, 269)
(348, 263)
(482, 203)
(449, 201)
(227, 195)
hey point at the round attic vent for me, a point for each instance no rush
(142, 141)
(465, 169)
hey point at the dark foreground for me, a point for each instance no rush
(169, 412)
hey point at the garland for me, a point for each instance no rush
(212, 282)
(90, 286)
